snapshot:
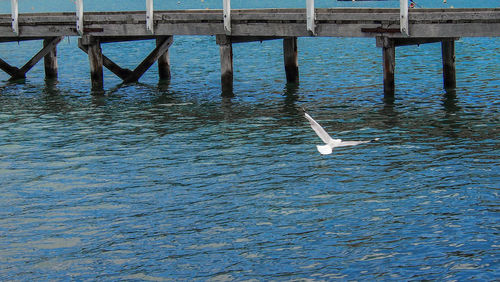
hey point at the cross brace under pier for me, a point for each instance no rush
(92, 46)
(48, 52)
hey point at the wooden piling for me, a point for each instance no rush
(163, 62)
(96, 62)
(290, 55)
(389, 61)
(449, 71)
(50, 60)
(226, 64)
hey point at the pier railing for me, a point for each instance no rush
(310, 16)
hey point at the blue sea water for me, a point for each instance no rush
(169, 181)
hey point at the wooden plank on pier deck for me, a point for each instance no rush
(245, 39)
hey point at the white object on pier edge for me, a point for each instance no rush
(15, 16)
(227, 16)
(403, 20)
(79, 16)
(150, 16)
(311, 17)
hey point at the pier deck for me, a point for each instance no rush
(347, 22)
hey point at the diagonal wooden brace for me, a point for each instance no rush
(109, 64)
(46, 50)
(20, 73)
(160, 49)
(10, 70)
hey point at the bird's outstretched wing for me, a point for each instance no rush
(350, 143)
(318, 129)
(354, 143)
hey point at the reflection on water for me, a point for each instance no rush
(291, 98)
(170, 181)
(450, 102)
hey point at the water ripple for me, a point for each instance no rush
(174, 183)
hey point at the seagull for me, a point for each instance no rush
(329, 141)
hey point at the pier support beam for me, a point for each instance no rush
(226, 64)
(389, 62)
(92, 46)
(163, 62)
(290, 55)
(449, 71)
(50, 61)
(96, 65)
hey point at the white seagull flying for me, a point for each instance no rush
(329, 141)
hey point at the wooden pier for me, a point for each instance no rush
(388, 27)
